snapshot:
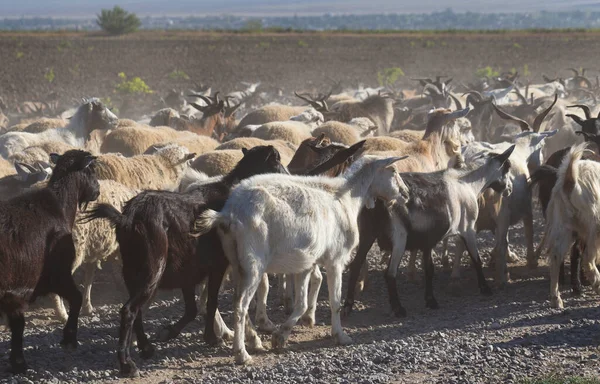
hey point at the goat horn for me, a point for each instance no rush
(575, 71)
(520, 95)
(586, 135)
(537, 123)
(198, 107)
(433, 87)
(506, 116)
(585, 108)
(456, 101)
(206, 99)
(576, 119)
(547, 79)
(29, 167)
(476, 93)
(459, 113)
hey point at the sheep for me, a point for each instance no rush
(134, 140)
(383, 143)
(7, 168)
(270, 113)
(40, 152)
(163, 117)
(36, 233)
(217, 163)
(498, 212)
(348, 134)
(311, 220)
(292, 131)
(92, 114)
(145, 171)
(572, 214)
(378, 108)
(194, 143)
(440, 204)
(157, 251)
(44, 124)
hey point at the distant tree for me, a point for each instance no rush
(118, 21)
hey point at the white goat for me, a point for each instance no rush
(91, 115)
(574, 210)
(288, 224)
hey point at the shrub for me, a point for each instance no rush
(49, 75)
(302, 44)
(135, 86)
(178, 75)
(487, 71)
(389, 76)
(118, 21)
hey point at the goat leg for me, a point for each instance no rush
(262, 320)
(575, 269)
(316, 278)
(367, 238)
(88, 280)
(430, 301)
(16, 322)
(191, 311)
(215, 280)
(470, 242)
(281, 335)
(146, 348)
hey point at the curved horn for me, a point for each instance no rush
(520, 95)
(456, 102)
(476, 93)
(506, 116)
(586, 110)
(198, 107)
(547, 79)
(575, 71)
(311, 102)
(537, 123)
(433, 88)
(576, 119)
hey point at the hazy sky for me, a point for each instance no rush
(55, 8)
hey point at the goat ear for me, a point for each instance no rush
(389, 161)
(22, 171)
(320, 139)
(506, 154)
(244, 151)
(87, 161)
(550, 133)
(54, 157)
(190, 156)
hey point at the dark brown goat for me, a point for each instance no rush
(213, 117)
(158, 252)
(37, 250)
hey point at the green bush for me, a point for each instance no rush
(135, 86)
(178, 75)
(118, 21)
(49, 75)
(487, 71)
(389, 76)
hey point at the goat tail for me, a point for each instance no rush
(206, 221)
(569, 169)
(103, 211)
(542, 173)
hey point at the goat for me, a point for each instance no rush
(293, 223)
(440, 204)
(157, 252)
(37, 246)
(498, 212)
(572, 214)
(91, 115)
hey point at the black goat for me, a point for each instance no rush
(37, 250)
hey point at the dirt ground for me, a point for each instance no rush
(88, 64)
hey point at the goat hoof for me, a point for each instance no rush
(343, 339)
(308, 320)
(400, 312)
(211, 340)
(556, 302)
(347, 310)
(87, 311)
(278, 341)
(69, 344)
(227, 335)
(165, 334)
(147, 352)
(486, 290)
(242, 357)
(129, 370)
(265, 325)
(18, 366)
(432, 304)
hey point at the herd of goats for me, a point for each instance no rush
(189, 194)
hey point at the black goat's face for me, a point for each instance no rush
(79, 166)
(500, 166)
(259, 160)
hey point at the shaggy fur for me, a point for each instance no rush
(40, 152)
(92, 114)
(291, 131)
(156, 171)
(287, 224)
(134, 140)
(270, 113)
(38, 250)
